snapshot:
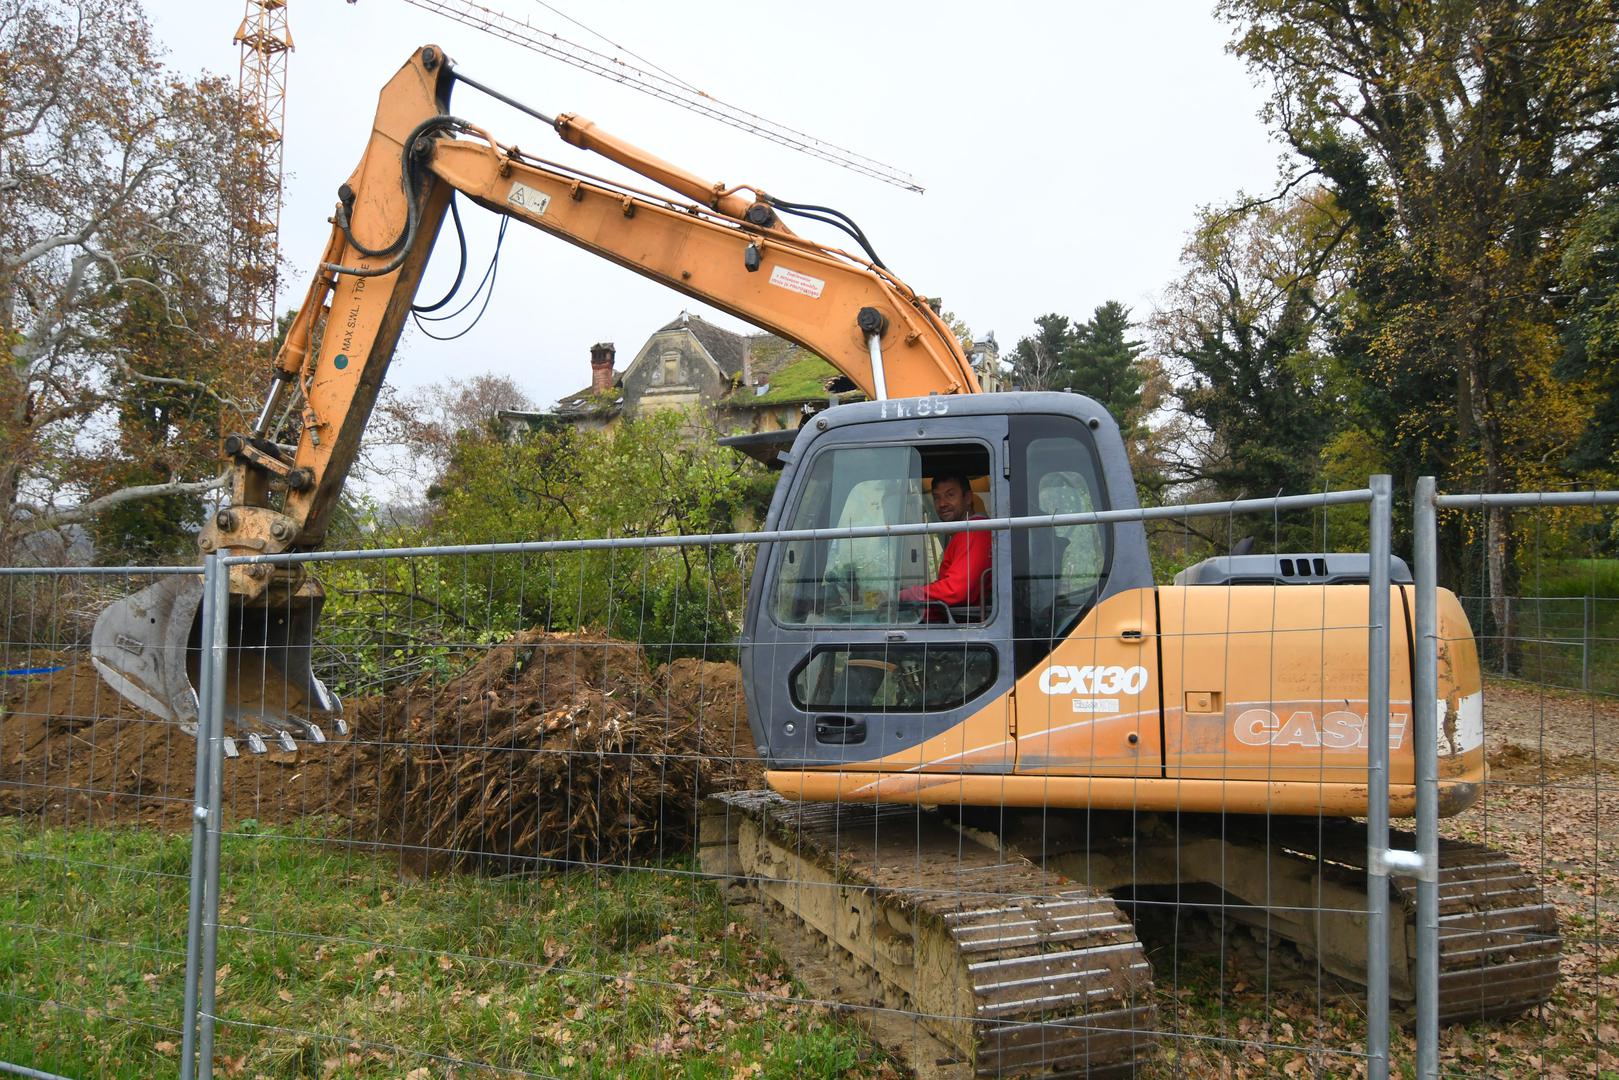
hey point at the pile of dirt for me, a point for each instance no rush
(562, 747)
(73, 751)
(556, 750)
(708, 694)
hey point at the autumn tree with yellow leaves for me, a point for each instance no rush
(1462, 142)
(122, 186)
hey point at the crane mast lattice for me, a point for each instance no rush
(265, 41)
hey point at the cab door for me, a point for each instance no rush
(842, 674)
(1087, 696)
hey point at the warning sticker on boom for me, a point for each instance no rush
(794, 281)
(530, 199)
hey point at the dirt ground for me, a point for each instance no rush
(73, 752)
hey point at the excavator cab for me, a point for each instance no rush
(839, 667)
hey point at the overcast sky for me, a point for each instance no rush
(1065, 147)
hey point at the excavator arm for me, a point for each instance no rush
(710, 243)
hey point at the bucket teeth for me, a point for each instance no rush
(231, 749)
(341, 726)
(285, 741)
(255, 743)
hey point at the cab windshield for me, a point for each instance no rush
(859, 579)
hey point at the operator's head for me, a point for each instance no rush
(952, 497)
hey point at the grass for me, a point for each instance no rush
(1580, 577)
(336, 962)
(1567, 626)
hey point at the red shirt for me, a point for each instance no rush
(961, 571)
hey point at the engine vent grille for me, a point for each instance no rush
(1318, 568)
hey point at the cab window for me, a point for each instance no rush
(893, 678)
(857, 580)
(1059, 570)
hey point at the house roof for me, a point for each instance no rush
(781, 372)
(770, 358)
(591, 402)
(724, 346)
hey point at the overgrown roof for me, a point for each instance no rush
(792, 374)
(592, 402)
(805, 378)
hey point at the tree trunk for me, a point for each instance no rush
(1495, 558)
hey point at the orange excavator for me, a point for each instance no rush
(984, 790)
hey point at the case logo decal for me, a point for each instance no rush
(1337, 730)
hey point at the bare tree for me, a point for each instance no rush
(418, 430)
(119, 184)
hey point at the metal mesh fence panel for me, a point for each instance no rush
(507, 810)
(95, 803)
(544, 844)
(1544, 616)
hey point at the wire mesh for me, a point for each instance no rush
(1544, 615)
(529, 849)
(513, 859)
(516, 861)
(95, 798)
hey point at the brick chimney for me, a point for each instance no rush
(601, 366)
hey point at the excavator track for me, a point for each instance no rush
(1499, 946)
(1017, 970)
(1304, 881)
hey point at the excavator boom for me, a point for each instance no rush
(723, 245)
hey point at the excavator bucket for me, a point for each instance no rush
(148, 647)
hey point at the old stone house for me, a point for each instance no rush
(748, 383)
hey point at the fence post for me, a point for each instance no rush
(1587, 617)
(1377, 784)
(211, 727)
(199, 835)
(1425, 736)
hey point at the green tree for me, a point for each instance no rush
(1245, 330)
(1097, 358)
(960, 330)
(1103, 362)
(659, 474)
(165, 422)
(1037, 359)
(120, 186)
(1460, 141)
(1590, 327)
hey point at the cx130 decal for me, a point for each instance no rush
(1066, 679)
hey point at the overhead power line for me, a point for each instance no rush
(661, 86)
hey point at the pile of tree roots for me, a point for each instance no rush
(556, 751)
